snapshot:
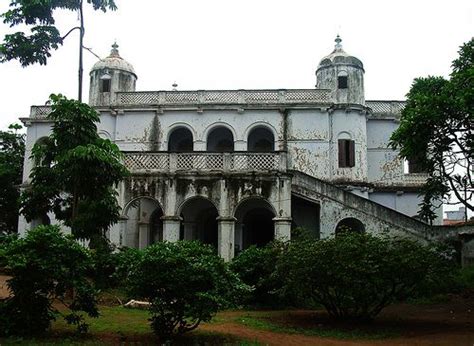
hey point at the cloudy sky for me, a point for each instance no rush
(248, 44)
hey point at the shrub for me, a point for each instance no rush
(465, 278)
(256, 268)
(355, 275)
(45, 266)
(185, 282)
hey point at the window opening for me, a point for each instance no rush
(342, 82)
(346, 153)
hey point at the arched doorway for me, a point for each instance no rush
(199, 221)
(156, 226)
(349, 224)
(220, 139)
(180, 140)
(144, 225)
(254, 225)
(260, 140)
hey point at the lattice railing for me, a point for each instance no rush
(256, 162)
(40, 112)
(149, 161)
(295, 96)
(415, 178)
(197, 161)
(201, 162)
(386, 107)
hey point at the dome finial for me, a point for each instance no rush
(338, 41)
(114, 51)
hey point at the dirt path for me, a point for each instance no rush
(449, 324)
(3, 286)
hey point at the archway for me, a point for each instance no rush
(220, 140)
(261, 139)
(144, 225)
(156, 226)
(305, 215)
(350, 224)
(199, 221)
(180, 140)
(254, 225)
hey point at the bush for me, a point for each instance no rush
(45, 266)
(256, 268)
(185, 282)
(465, 278)
(354, 276)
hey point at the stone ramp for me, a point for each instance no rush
(337, 204)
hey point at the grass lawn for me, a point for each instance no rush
(286, 322)
(118, 325)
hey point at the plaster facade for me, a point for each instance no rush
(235, 168)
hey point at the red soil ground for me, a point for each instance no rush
(450, 323)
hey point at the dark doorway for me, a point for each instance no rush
(181, 140)
(220, 140)
(254, 225)
(199, 221)
(261, 140)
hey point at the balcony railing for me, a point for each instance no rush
(206, 97)
(149, 162)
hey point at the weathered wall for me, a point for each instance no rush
(337, 204)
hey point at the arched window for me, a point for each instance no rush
(220, 140)
(346, 150)
(181, 140)
(261, 139)
(350, 224)
(342, 82)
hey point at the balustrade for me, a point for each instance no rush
(138, 162)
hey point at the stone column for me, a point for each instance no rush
(225, 237)
(171, 228)
(143, 235)
(122, 231)
(115, 232)
(282, 228)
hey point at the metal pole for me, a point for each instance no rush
(81, 38)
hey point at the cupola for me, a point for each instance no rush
(343, 74)
(109, 76)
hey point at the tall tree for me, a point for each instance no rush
(75, 173)
(44, 35)
(437, 129)
(12, 150)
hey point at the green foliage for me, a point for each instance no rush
(185, 282)
(436, 129)
(75, 173)
(44, 36)
(255, 266)
(45, 266)
(12, 151)
(465, 278)
(356, 275)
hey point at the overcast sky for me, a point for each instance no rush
(248, 44)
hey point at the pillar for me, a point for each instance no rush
(171, 228)
(122, 230)
(225, 237)
(143, 235)
(282, 228)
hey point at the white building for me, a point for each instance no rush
(239, 167)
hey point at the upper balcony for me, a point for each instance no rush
(233, 162)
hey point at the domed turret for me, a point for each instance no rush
(108, 76)
(343, 74)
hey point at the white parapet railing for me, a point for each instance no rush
(150, 162)
(239, 97)
(40, 112)
(415, 179)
